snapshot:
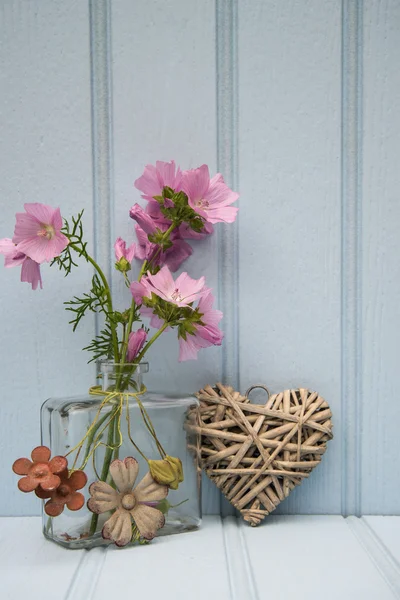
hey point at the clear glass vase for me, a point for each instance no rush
(66, 422)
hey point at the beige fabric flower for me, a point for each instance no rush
(129, 503)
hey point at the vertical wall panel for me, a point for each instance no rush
(289, 227)
(381, 258)
(45, 154)
(164, 104)
(351, 349)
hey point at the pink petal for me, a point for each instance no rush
(139, 291)
(12, 256)
(166, 175)
(225, 214)
(40, 249)
(42, 213)
(195, 182)
(130, 252)
(176, 255)
(187, 232)
(56, 220)
(26, 226)
(153, 209)
(143, 219)
(187, 349)
(163, 283)
(136, 343)
(219, 193)
(189, 288)
(30, 273)
(148, 183)
(119, 248)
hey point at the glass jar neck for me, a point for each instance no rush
(126, 377)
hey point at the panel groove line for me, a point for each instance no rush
(378, 552)
(84, 581)
(226, 22)
(351, 340)
(227, 164)
(240, 574)
(102, 149)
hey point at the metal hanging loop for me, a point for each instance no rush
(258, 386)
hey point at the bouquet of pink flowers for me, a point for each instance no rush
(180, 205)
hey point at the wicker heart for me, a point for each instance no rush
(257, 454)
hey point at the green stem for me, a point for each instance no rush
(105, 469)
(91, 437)
(109, 298)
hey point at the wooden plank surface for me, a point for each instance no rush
(380, 415)
(45, 155)
(30, 566)
(307, 557)
(164, 107)
(312, 557)
(289, 225)
(388, 531)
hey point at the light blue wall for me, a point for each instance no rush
(297, 103)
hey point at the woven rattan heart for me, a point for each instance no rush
(257, 454)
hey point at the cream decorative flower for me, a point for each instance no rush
(129, 503)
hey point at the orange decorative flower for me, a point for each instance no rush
(65, 494)
(40, 470)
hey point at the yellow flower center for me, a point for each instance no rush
(47, 231)
(128, 501)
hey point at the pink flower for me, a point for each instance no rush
(136, 343)
(30, 270)
(181, 292)
(206, 335)
(152, 182)
(143, 219)
(121, 251)
(38, 232)
(211, 199)
(172, 257)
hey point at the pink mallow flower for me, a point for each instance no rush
(181, 292)
(38, 232)
(152, 182)
(30, 270)
(206, 335)
(135, 343)
(142, 219)
(210, 198)
(121, 251)
(172, 257)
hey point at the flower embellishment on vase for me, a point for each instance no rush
(128, 503)
(177, 206)
(40, 471)
(50, 479)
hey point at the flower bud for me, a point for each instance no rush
(123, 265)
(168, 471)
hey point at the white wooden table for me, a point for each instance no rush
(299, 557)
